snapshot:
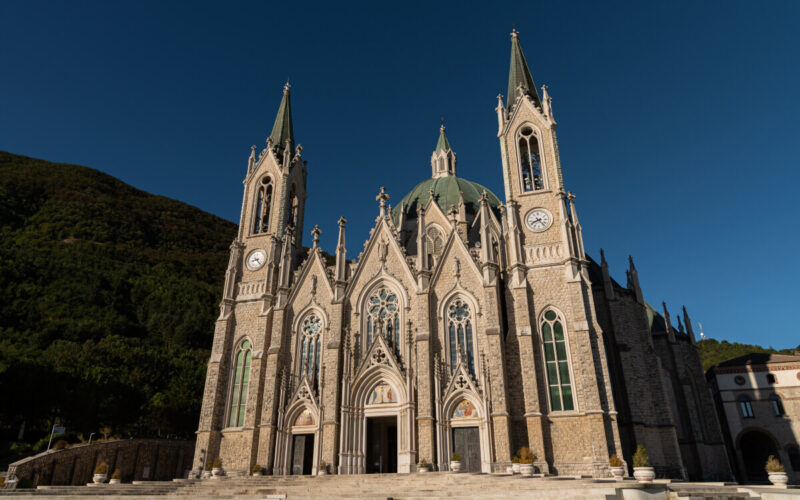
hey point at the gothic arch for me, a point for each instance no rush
(449, 422)
(542, 320)
(290, 427)
(362, 316)
(236, 396)
(459, 293)
(523, 144)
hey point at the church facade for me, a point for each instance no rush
(467, 324)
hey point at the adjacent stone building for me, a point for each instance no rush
(758, 400)
(466, 324)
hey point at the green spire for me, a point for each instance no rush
(519, 74)
(282, 130)
(443, 144)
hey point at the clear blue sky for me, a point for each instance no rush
(677, 120)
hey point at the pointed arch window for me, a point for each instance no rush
(459, 335)
(241, 380)
(556, 356)
(383, 318)
(310, 348)
(746, 407)
(263, 205)
(435, 241)
(530, 161)
(291, 218)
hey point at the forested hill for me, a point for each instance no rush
(108, 297)
(713, 352)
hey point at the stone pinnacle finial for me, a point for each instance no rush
(286, 87)
(315, 235)
(514, 33)
(381, 199)
(342, 221)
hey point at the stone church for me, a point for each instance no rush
(466, 324)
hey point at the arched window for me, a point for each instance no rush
(241, 379)
(777, 405)
(291, 218)
(459, 331)
(435, 241)
(794, 457)
(746, 407)
(310, 348)
(556, 358)
(263, 205)
(530, 161)
(383, 318)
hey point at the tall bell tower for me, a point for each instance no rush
(547, 281)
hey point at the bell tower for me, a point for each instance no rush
(539, 209)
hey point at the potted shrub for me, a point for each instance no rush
(617, 470)
(100, 473)
(776, 472)
(455, 462)
(216, 467)
(256, 471)
(515, 464)
(323, 468)
(641, 466)
(526, 458)
(423, 466)
(207, 470)
(116, 477)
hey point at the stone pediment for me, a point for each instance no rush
(379, 354)
(304, 394)
(461, 380)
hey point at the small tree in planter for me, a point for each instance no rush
(257, 470)
(207, 470)
(323, 468)
(455, 462)
(617, 469)
(216, 467)
(641, 466)
(776, 472)
(423, 466)
(100, 472)
(526, 458)
(116, 477)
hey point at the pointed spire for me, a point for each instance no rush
(668, 323)
(282, 130)
(341, 261)
(443, 159)
(443, 144)
(608, 286)
(519, 75)
(689, 328)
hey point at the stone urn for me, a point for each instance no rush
(618, 473)
(423, 468)
(515, 467)
(526, 470)
(217, 472)
(257, 474)
(510, 470)
(644, 474)
(455, 465)
(778, 479)
(114, 481)
(99, 478)
(206, 474)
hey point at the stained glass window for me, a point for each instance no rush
(557, 362)
(383, 318)
(459, 329)
(310, 348)
(241, 379)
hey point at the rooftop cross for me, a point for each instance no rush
(315, 234)
(381, 198)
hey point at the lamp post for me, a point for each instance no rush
(90, 437)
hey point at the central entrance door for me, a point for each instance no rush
(381, 445)
(302, 453)
(467, 443)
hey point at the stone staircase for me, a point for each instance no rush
(429, 486)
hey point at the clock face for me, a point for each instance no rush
(255, 260)
(538, 219)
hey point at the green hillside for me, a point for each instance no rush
(713, 352)
(108, 297)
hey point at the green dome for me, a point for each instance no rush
(445, 192)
